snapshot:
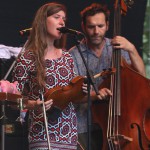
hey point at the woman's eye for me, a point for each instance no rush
(56, 17)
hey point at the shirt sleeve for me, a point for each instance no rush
(21, 72)
(72, 65)
(72, 52)
(126, 56)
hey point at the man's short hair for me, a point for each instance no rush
(93, 9)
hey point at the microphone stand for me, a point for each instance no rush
(90, 81)
(3, 117)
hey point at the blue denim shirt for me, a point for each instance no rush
(95, 65)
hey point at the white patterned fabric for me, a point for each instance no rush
(62, 125)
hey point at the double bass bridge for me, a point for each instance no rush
(119, 139)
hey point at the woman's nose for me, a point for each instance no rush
(62, 22)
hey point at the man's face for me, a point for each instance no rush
(95, 29)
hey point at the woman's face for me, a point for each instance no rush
(53, 22)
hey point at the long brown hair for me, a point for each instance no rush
(37, 40)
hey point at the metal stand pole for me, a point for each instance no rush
(3, 118)
(90, 82)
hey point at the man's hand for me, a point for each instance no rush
(104, 93)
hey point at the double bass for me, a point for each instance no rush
(125, 117)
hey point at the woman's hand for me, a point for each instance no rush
(48, 104)
(103, 93)
(84, 88)
(38, 105)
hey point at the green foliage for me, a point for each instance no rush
(146, 40)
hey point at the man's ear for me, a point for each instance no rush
(83, 27)
(107, 23)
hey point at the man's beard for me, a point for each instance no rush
(96, 40)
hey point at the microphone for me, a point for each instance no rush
(70, 31)
(25, 32)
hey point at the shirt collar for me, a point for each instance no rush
(84, 48)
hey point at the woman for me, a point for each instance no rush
(42, 66)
